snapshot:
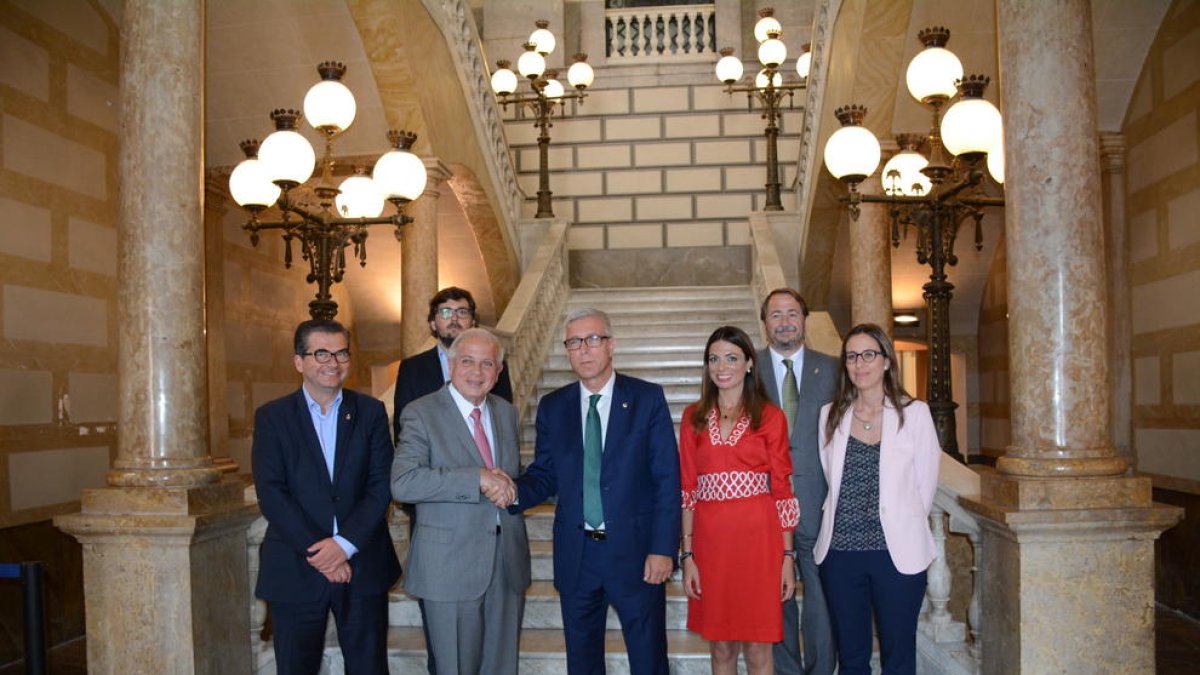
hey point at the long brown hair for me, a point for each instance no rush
(753, 394)
(893, 389)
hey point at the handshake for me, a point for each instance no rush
(497, 487)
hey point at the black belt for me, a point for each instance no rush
(595, 535)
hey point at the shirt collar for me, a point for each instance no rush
(316, 407)
(464, 406)
(605, 392)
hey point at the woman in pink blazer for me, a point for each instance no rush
(880, 454)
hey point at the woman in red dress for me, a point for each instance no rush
(739, 510)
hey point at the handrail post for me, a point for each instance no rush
(35, 620)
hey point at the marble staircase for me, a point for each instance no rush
(660, 337)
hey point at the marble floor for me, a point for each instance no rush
(1177, 649)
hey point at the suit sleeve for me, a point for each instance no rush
(503, 387)
(415, 479)
(275, 498)
(401, 397)
(540, 480)
(927, 452)
(363, 521)
(664, 470)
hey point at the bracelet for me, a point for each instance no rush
(790, 554)
(684, 555)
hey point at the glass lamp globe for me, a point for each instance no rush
(543, 39)
(902, 177)
(766, 25)
(287, 157)
(359, 198)
(581, 75)
(504, 80)
(932, 74)
(971, 126)
(760, 80)
(772, 51)
(729, 68)
(553, 89)
(329, 106)
(852, 152)
(250, 186)
(531, 64)
(399, 174)
(995, 160)
(804, 64)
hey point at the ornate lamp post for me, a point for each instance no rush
(934, 195)
(769, 88)
(272, 172)
(546, 97)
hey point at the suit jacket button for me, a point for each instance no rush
(337, 498)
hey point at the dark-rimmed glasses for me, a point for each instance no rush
(574, 343)
(323, 355)
(867, 355)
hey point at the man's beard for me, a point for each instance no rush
(446, 340)
(789, 340)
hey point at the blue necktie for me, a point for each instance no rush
(593, 508)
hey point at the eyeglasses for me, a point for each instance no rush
(323, 355)
(867, 355)
(460, 312)
(591, 341)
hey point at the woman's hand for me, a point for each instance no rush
(787, 587)
(691, 578)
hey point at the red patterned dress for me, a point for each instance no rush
(741, 491)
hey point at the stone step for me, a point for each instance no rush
(691, 373)
(659, 307)
(673, 391)
(681, 358)
(543, 652)
(628, 332)
(599, 297)
(699, 319)
(542, 609)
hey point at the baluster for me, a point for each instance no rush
(687, 33)
(635, 33)
(647, 34)
(258, 608)
(608, 37)
(939, 581)
(712, 33)
(622, 36)
(660, 35)
(673, 27)
(975, 609)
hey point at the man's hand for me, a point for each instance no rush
(326, 555)
(657, 570)
(340, 574)
(497, 487)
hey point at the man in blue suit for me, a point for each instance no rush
(606, 447)
(322, 461)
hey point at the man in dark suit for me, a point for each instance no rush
(606, 447)
(469, 559)
(800, 381)
(322, 458)
(451, 311)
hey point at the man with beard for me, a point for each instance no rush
(800, 381)
(451, 311)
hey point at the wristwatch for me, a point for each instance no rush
(791, 553)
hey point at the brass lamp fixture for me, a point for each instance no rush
(272, 172)
(547, 97)
(933, 195)
(769, 89)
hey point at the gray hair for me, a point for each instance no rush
(484, 333)
(585, 312)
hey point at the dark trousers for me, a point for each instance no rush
(859, 583)
(641, 608)
(299, 632)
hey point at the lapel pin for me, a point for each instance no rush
(816, 370)
(347, 418)
(625, 404)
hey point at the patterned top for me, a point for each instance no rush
(748, 468)
(856, 525)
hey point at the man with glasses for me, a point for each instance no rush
(451, 311)
(800, 381)
(606, 447)
(322, 459)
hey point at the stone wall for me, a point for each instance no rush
(994, 421)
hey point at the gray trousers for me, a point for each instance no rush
(480, 636)
(819, 655)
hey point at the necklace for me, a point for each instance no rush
(727, 413)
(865, 424)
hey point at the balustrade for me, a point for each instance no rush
(654, 34)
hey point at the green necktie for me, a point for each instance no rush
(593, 508)
(791, 395)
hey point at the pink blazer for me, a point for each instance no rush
(908, 474)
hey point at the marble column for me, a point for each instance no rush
(1120, 326)
(871, 262)
(1068, 582)
(216, 203)
(419, 260)
(164, 545)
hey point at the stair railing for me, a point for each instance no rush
(531, 320)
(942, 640)
(658, 34)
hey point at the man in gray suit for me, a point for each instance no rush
(469, 557)
(800, 381)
